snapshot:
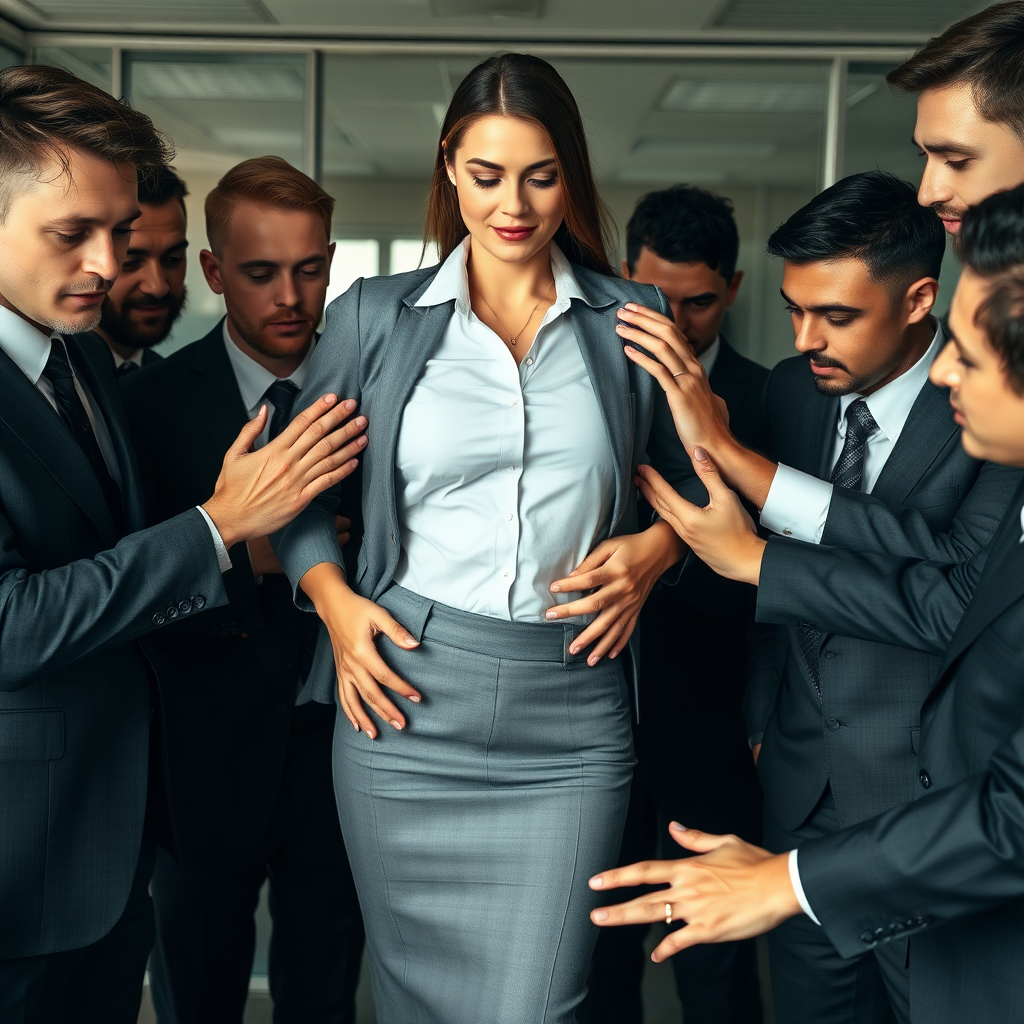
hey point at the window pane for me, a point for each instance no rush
(750, 130)
(353, 258)
(218, 109)
(408, 254)
(90, 63)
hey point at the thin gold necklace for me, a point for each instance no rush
(513, 338)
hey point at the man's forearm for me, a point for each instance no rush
(746, 472)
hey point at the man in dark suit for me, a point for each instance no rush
(946, 868)
(80, 580)
(149, 294)
(868, 459)
(247, 755)
(684, 240)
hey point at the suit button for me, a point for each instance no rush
(881, 933)
(282, 708)
(185, 606)
(918, 922)
(158, 619)
(172, 612)
(832, 724)
(198, 602)
(867, 937)
(926, 779)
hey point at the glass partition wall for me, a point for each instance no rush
(768, 129)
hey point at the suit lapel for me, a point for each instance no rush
(928, 430)
(1001, 584)
(97, 377)
(36, 423)
(818, 440)
(608, 369)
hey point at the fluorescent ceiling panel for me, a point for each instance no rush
(129, 12)
(487, 8)
(174, 80)
(875, 16)
(722, 97)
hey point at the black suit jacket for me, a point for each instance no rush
(952, 862)
(91, 338)
(228, 678)
(74, 687)
(932, 501)
(693, 659)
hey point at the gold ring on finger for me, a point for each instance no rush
(679, 374)
(668, 913)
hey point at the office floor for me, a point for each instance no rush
(660, 1002)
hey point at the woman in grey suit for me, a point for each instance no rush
(505, 429)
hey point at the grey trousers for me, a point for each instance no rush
(811, 982)
(473, 832)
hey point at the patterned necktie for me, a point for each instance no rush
(69, 405)
(281, 395)
(849, 473)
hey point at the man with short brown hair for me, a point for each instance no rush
(80, 580)
(247, 755)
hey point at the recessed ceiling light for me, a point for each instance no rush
(723, 97)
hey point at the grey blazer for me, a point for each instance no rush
(74, 687)
(375, 346)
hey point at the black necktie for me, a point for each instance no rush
(125, 368)
(69, 405)
(848, 472)
(281, 395)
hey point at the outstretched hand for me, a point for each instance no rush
(733, 891)
(720, 534)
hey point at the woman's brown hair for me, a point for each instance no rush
(525, 87)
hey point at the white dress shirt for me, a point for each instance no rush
(709, 355)
(254, 379)
(798, 503)
(505, 475)
(29, 349)
(119, 360)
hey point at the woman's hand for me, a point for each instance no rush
(623, 570)
(700, 416)
(734, 891)
(354, 624)
(720, 534)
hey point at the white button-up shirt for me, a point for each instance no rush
(798, 503)
(505, 476)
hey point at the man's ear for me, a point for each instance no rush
(625, 271)
(211, 271)
(920, 299)
(734, 287)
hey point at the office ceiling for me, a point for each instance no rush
(611, 20)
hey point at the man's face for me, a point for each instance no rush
(64, 240)
(273, 272)
(987, 407)
(967, 158)
(698, 295)
(149, 293)
(851, 328)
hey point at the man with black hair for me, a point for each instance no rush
(947, 868)
(149, 294)
(865, 458)
(970, 110)
(684, 240)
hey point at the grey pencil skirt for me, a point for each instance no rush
(473, 832)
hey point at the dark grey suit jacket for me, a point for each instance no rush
(374, 348)
(954, 857)
(930, 501)
(74, 688)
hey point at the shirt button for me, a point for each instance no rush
(511, 469)
(787, 533)
(529, 360)
(505, 574)
(515, 401)
(926, 779)
(509, 517)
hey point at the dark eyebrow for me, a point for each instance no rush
(497, 167)
(698, 298)
(944, 147)
(824, 307)
(137, 250)
(89, 221)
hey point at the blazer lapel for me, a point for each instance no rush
(819, 440)
(608, 369)
(98, 378)
(28, 414)
(928, 430)
(1001, 584)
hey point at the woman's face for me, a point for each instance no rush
(509, 191)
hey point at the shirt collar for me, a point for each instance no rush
(27, 346)
(890, 405)
(119, 360)
(254, 379)
(709, 355)
(452, 282)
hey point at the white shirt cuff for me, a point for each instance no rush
(797, 505)
(223, 558)
(794, 878)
